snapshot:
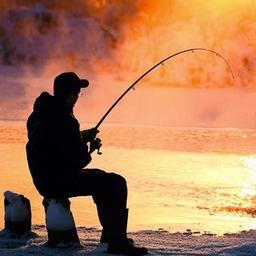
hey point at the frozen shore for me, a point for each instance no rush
(158, 242)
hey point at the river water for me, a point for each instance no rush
(178, 178)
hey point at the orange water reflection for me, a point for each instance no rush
(167, 189)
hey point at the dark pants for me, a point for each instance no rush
(107, 189)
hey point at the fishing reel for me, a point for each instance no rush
(96, 145)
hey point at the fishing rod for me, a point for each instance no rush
(97, 141)
(156, 65)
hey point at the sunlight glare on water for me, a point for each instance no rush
(249, 188)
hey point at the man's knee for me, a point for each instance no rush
(113, 191)
(118, 180)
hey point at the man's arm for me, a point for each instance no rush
(89, 136)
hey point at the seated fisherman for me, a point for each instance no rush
(57, 152)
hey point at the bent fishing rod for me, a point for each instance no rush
(156, 65)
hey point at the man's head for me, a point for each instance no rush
(68, 85)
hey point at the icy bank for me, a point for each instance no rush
(159, 243)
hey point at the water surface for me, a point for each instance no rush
(178, 178)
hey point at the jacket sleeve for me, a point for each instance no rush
(79, 153)
(73, 151)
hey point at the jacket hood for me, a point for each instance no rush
(47, 104)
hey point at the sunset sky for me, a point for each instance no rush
(113, 42)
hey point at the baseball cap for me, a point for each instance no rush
(68, 82)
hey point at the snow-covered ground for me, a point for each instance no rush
(158, 242)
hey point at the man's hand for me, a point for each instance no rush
(95, 145)
(89, 135)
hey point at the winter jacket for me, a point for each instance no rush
(55, 151)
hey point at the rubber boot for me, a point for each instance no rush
(102, 218)
(116, 226)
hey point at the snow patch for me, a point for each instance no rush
(58, 217)
(158, 243)
(15, 209)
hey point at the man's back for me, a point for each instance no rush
(55, 151)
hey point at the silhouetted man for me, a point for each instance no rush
(57, 151)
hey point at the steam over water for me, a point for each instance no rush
(113, 42)
(129, 36)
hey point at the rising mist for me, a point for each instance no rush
(114, 42)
